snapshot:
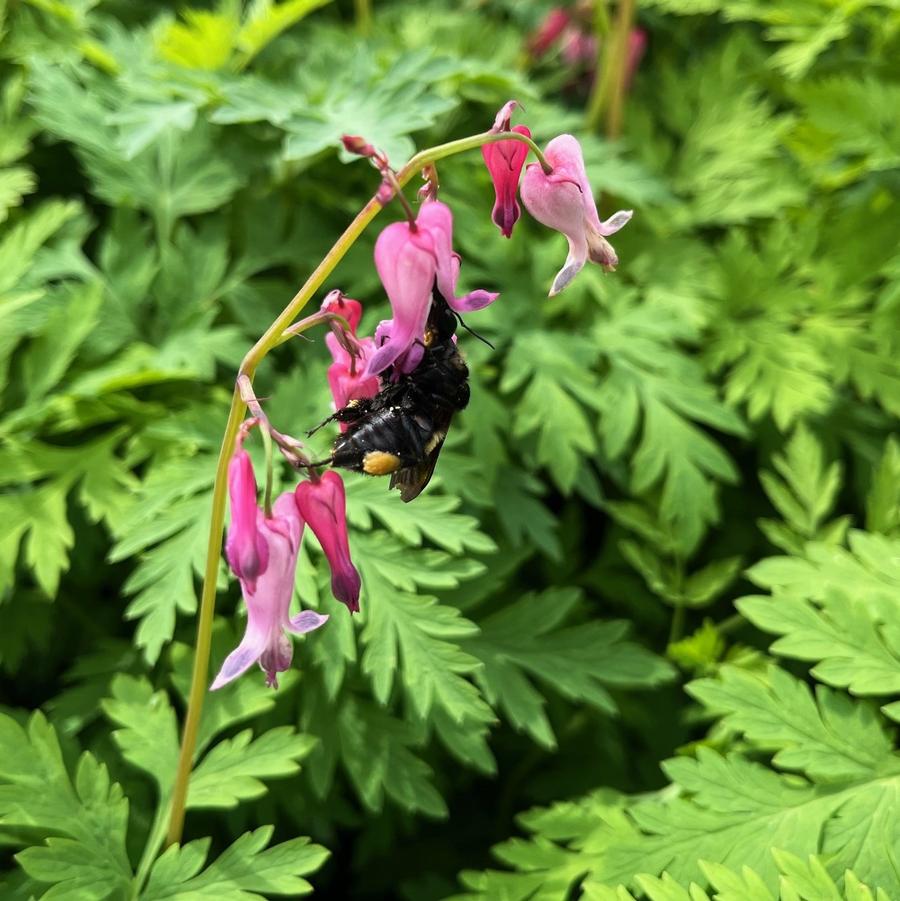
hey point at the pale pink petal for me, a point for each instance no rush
(615, 222)
(306, 621)
(276, 657)
(241, 658)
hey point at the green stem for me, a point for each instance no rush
(363, 12)
(154, 843)
(602, 68)
(254, 357)
(676, 629)
(267, 494)
(624, 21)
(731, 624)
(608, 90)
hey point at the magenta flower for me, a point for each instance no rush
(336, 302)
(347, 374)
(563, 200)
(245, 549)
(323, 505)
(411, 262)
(268, 597)
(504, 161)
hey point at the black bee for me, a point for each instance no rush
(401, 430)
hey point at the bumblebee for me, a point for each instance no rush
(401, 430)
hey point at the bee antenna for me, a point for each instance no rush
(472, 331)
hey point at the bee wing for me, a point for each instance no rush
(411, 480)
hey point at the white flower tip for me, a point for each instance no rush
(615, 222)
(564, 277)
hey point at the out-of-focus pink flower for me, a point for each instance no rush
(579, 48)
(268, 598)
(323, 505)
(504, 161)
(637, 44)
(245, 549)
(563, 200)
(545, 35)
(411, 262)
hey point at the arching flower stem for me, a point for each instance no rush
(270, 339)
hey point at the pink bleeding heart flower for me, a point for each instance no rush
(563, 201)
(411, 262)
(268, 598)
(504, 160)
(337, 302)
(245, 549)
(347, 376)
(323, 504)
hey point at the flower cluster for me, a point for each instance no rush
(416, 261)
(560, 198)
(261, 549)
(569, 32)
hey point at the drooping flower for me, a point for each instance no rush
(546, 34)
(338, 302)
(563, 200)
(268, 598)
(245, 549)
(347, 376)
(411, 262)
(323, 505)
(504, 160)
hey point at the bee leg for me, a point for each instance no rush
(354, 410)
(324, 422)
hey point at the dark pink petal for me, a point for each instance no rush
(245, 549)
(323, 505)
(351, 310)
(346, 385)
(504, 161)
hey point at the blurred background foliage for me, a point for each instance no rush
(559, 638)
